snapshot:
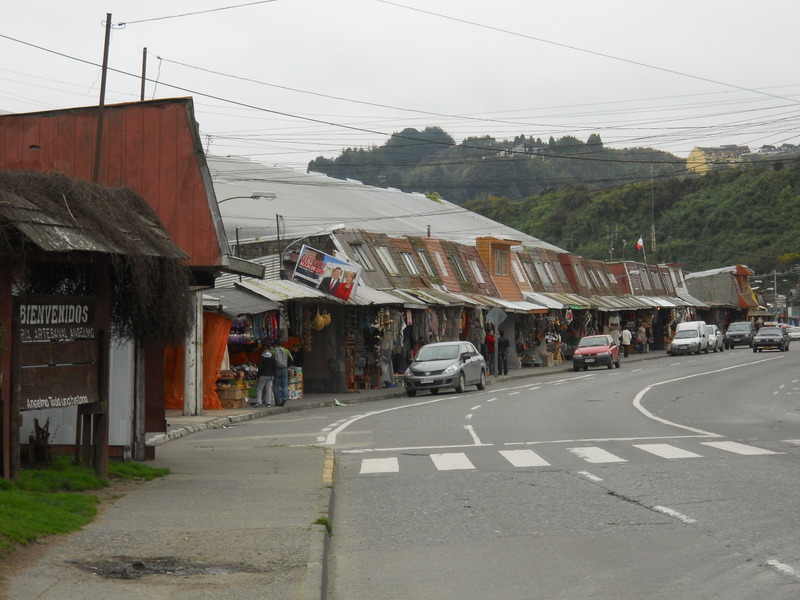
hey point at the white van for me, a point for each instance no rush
(702, 332)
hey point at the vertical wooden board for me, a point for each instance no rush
(85, 135)
(113, 165)
(65, 145)
(133, 153)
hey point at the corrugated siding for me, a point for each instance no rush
(150, 147)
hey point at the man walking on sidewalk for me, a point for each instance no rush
(281, 381)
(626, 341)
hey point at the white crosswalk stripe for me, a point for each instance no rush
(454, 461)
(526, 458)
(666, 451)
(738, 448)
(380, 465)
(595, 455)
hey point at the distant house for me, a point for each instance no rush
(702, 160)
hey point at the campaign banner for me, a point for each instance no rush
(334, 276)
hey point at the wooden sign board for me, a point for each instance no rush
(59, 352)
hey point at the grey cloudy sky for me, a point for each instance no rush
(285, 81)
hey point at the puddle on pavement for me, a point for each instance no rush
(133, 568)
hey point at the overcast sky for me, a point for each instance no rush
(285, 81)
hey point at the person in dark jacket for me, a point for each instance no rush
(266, 372)
(490, 347)
(502, 353)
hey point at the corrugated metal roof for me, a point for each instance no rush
(281, 290)
(235, 301)
(310, 201)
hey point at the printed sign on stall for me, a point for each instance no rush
(332, 275)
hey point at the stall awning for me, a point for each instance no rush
(572, 301)
(367, 296)
(544, 300)
(233, 302)
(281, 290)
(406, 300)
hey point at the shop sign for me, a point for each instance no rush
(335, 276)
(59, 351)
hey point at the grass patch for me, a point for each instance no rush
(326, 523)
(47, 501)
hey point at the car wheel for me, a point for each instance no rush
(461, 383)
(575, 367)
(411, 393)
(585, 368)
(616, 363)
(610, 365)
(482, 381)
(722, 349)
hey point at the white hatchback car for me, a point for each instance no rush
(716, 340)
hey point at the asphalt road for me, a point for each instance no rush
(673, 478)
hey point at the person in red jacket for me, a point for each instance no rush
(490, 346)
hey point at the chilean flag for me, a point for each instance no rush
(640, 244)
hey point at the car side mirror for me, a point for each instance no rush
(465, 356)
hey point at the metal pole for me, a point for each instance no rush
(144, 74)
(101, 106)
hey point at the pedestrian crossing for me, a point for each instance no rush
(559, 456)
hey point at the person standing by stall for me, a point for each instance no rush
(280, 385)
(266, 371)
(490, 346)
(626, 341)
(502, 353)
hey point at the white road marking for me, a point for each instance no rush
(637, 401)
(524, 458)
(454, 461)
(474, 435)
(666, 451)
(475, 407)
(513, 393)
(593, 454)
(380, 465)
(738, 448)
(674, 513)
(786, 569)
(590, 476)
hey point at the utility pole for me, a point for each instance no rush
(98, 145)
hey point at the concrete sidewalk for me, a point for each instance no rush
(230, 522)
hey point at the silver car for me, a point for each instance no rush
(445, 365)
(715, 338)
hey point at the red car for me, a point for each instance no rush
(596, 351)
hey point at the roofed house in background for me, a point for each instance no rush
(702, 160)
(725, 291)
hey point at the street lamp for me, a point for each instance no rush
(253, 196)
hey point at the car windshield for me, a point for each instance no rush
(739, 327)
(593, 340)
(448, 352)
(687, 333)
(770, 331)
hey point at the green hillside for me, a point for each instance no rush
(430, 161)
(597, 202)
(736, 216)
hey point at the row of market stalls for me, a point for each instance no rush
(367, 339)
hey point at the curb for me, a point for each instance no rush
(316, 581)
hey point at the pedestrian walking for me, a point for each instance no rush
(280, 385)
(502, 353)
(626, 341)
(266, 372)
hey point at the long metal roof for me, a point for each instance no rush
(302, 204)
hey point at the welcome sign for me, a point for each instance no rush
(59, 351)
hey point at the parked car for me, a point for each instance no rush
(794, 333)
(739, 333)
(687, 341)
(445, 365)
(702, 333)
(595, 351)
(715, 341)
(771, 338)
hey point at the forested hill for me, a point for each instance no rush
(745, 216)
(430, 161)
